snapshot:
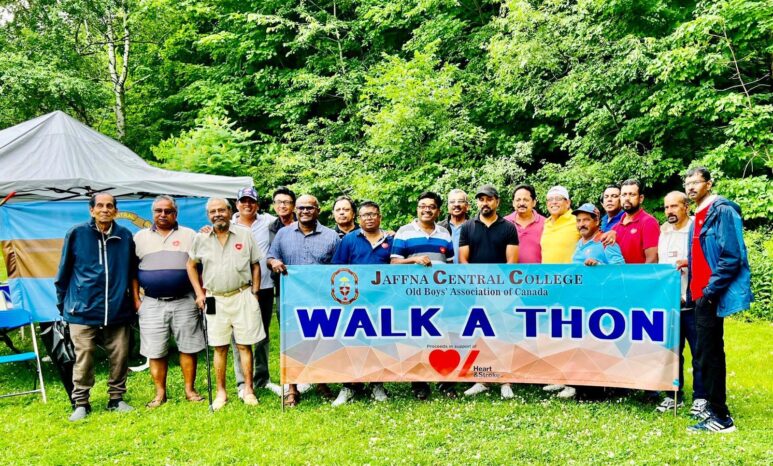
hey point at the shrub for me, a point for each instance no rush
(760, 246)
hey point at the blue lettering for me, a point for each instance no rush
(423, 320)
(318, 321)
(618, 323)
(360, 320)
(477, 320)
(655, 328)
(557, 322)
(531, 319)
(386, 324)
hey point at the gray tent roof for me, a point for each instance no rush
(57, 157)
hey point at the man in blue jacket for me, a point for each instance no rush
(719, 285)
(93, 291)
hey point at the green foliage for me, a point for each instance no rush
(759, 244)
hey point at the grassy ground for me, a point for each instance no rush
(532, 429)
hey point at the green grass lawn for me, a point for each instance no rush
(534, 428)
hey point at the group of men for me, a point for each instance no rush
(168, 273)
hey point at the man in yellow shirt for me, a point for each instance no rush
(560, 235)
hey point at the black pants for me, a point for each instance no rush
(710, 353)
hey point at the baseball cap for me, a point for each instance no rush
(248, 192)
(559, 190)
(587, 208)
(487, 190)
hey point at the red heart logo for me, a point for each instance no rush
(444, 361)
(238, 246)
(175, 243)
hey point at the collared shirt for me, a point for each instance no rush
(225, 267)
(293, 247)
(559, 239)
(674, 245)
(410, 240)
(262, 237)
(488, 243)
(609, 223)
(595, 249)
(342, 233)
(641, 233)
(455, 230)
(529, 250)
(162, 269)
(355, 248)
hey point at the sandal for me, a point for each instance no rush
(195, 399)
(291, 399)
(155, 403)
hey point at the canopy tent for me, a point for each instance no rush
(57, 157)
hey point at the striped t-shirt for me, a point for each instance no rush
(410, 240)
(162, 272)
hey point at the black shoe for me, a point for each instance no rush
(714, 424)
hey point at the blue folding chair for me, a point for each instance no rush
(16, 318)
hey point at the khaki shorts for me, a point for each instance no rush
(238, 315)
(161, 319)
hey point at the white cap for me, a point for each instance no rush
(560, 190)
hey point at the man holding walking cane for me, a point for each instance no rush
(230, 261)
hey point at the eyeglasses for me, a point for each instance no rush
(427, 207)
(164, 211)
(305, 208)
(369, 216)
(690, 184)
(283, 202)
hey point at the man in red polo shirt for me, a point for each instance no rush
(638, 232)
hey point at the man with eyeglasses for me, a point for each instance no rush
(528, 223)
(167, 306)
(638, 232)
(284, 206)
(719, 285)
(93, 294)
(559, 234)
(458, 213)
(610, 201)
(304, 242)
(230, 274)
(367, 245)
(424, 242)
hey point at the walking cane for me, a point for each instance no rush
(206, 349)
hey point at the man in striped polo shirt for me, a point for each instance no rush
(425, 242)
(168, 307)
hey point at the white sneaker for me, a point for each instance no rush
(141, 367)
(379, 394)
(553, 388)
(344, 396)
(276, 389)
(567, 392)
(240, 393)
(698, 406)
(304, 387)
(668, 404)
(506, 391)
(476, 389)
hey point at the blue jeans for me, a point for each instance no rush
(688, 333)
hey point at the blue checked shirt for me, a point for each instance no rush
(292, 247)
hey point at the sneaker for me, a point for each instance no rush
(304, 387)
(553, 388)
(79, 413)
(119, 406)
(379, 394)
(141, 367)
(476, 389)
(240, 393)
(714, 424)
(668, 404)
(276, 389)
(567, 392)
(344, 396)
(506, 391)
(698, 406)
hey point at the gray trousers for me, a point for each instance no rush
(260, 353)
(116, 342)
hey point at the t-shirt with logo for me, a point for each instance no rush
(410, 240)
(640, 233)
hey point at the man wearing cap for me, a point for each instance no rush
(610, 201)
(458, 213)
(638, 231)
(559, 235)
(529, 224)
(488, 239)
(168, 306)
(230, 261)
(590, 250)
(249, 216)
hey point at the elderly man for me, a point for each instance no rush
(488, 239)
(93, 291)
(368, 245)
(559, 235)
(458, 213)
(529, 224)
(424, 242)
(230, 261)
(304, 242)
(672, 249)
(719, 285)
(610, 200)
(343, 214)
(638, 231)
(168, 307)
